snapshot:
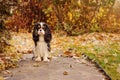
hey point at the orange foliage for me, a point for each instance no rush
(73, 17)
(17, 22)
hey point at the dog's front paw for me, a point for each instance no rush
(38, 59)
(46, 60)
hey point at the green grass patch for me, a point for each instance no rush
(107, 55)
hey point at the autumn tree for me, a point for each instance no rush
(27, 13)
(72, 16)
(5, 12)
(81, 15)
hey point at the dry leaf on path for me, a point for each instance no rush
(36, 65)
(65, 73)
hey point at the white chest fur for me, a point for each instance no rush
(41, 50)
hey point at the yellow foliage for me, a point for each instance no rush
(101, 9)
(1, 78)
(79, 3)
(33, 22)
(70, 15)
(20, 0)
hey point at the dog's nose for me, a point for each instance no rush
(40, 30)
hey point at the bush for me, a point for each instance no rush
(73, 17)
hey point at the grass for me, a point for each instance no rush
(108, 56)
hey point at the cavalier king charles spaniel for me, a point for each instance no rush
(42, 37)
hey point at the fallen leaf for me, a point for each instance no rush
(105, 61)
(70, 66)
(35, 65)
(68, 54)
(65, 73)
(118, 69)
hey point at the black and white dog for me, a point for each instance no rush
(42, 37)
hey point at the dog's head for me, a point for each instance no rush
(41, 29)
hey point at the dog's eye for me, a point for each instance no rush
(43, 27)
(38, 28)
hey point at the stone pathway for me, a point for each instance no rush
(59, 68)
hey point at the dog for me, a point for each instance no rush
(42, 37)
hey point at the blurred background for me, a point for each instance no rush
(73, 17)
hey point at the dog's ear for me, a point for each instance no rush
(47, 29)
(48, 35)
(35, 34)
(35, 30)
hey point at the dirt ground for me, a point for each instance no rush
(59, 68)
